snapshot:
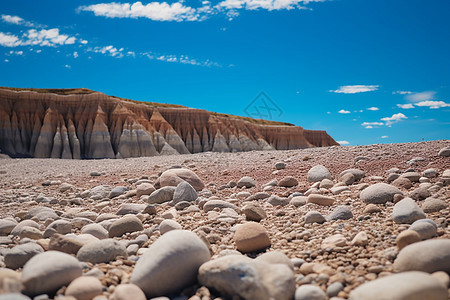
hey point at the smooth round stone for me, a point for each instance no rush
(412, 176)
(84, 288)
(379, 193)
(254, 212)
(360, 239)
(403, 286)
(66, 244)
(326, 183)
(61, 226)
(320, 200)
(212, 204)
(127, 292)
(288, 181)
(170, 264)
(184, 192)
(357, 173)
(278, 201)
(406, 238)
(117, 191)
(96, 230)
(314, 217)
(124, 225)
(17, 256)
(427, 256)
(131, 208)
(275, 257)
(433, 205)
(371, 209)
(6, 226)
(238, 275)
(336, 190)
(18, 228)
(161, 195)
(168, 225)
(347, 178)
(444, 152)
(309, 292)
(48, 271)
(247, 182)
(334, 289)
(430, 173)
(144, 189)
(336, 240)
(317, 173)
(298, 201)
(407, 211)
(402, 182)
(425, 230)
(30, 232)
(101, 251)
(280, 165)
(250, 237)
(173, 177)
(341, 212)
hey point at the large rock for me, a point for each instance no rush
(66, 244)
(6, 226)
(212, 204)
(433, 205)
(170, 264)
(444, 152)
(403, 286)
(357, 173)
(144, 189)
(173, 177)
(124, 225)
(317, 173)
(128, 291)
(161, 195)
(288, 181)
(407, 211)
(101, 251)
(184, 192)
(254, 212)
(17, 256)
(96, 230)
(427, 256)
(247, 182)
(238, 275)
(379, 193)
(250, 237)
(48, 271)
(341, 212)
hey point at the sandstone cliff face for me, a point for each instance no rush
(90, 124)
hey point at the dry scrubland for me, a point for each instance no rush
(376, 232)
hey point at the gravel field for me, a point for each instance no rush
(331, 237)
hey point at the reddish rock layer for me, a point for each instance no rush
(87, 124)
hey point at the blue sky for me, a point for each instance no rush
(366, 71)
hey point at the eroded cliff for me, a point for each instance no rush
(80, 123)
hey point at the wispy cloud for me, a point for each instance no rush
(178, 11)
(16, 20)
(394, 119)
(183, 59)
(433, 104)
(34, 37)
(402, 92)
(373, 108)
(353, 89)
(384, 136)
(370, 125)
(343, 142)
(422, 96)
(343, 111)
(406, 106)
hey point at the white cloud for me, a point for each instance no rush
(9, 40)
(84, 42)
(384, 136)
(158, 11)
(42, 37)
(75, 54)
(394, 119)
(353, 89)
(12, 19)
(423, 96)
(402, 92)
(370, 125)
(108, 50)
(433, 104)
(343, 111)
(68, 67)
(406, 106)
(343, 142)
(6, 60)
(183, 59)
(177, 11)
(373, 108)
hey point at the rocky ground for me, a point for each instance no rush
(363, 222)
